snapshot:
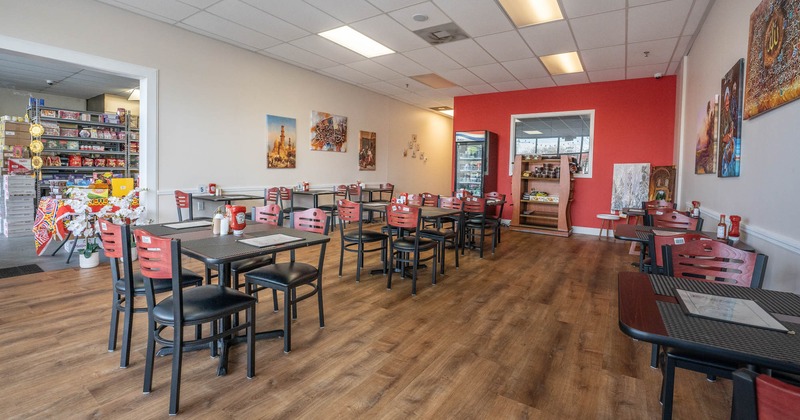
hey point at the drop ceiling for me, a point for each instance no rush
(615, 40)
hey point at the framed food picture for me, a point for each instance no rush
(730, 123)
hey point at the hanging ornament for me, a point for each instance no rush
(36, 130)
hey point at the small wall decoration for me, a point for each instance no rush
(366, 151)
(730, 122)
(662, 183)
(630, 185)
(328, 132)
(413, 150)
(705, 158)
(281, 142)
(773, 60)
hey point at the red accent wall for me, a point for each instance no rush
(634, 123)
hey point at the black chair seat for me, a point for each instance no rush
(407, 244)
(188, 277)
(283, 274)
(477, 222)
(327, 207)
(203, 303)
(366, 236)
(238, 267)
(438, 234)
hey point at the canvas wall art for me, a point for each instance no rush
(328, 132)
(662, 183)
(773, 60)
(630, 185)
(281, 142)
(729, 153)
(366, 151)
(705, 157)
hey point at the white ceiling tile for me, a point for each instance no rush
(696, 16)
(200, 4)
(412, 98)
(330, 50)
(257, 20)
(549, 38)
(433, 59)
(388, 32)
(166, 11)
(659, 52)
(476, 17)
(452, 91)
(539, 82)
(673, 67)
(638, 72)
(346, 10)
(603, 30)
(461, 77)
(385, 87)
(528, 68)
(481, 89)
(297, 64)
(410, 84)
(508, 86)
(351, 75)
(215, 36)
(389, 5)
(401, 64)
(577, 8)
(291, 52)
(298, 13)
(634, 3)
(505, 46)
(570, 79)
(374, 69)
(492, 73)
(607, 75)
(229, 30)
(682, 48)
(656, 21)
(466, 52)
(435, 16)
(603, 58)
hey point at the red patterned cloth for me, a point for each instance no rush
(49, 222)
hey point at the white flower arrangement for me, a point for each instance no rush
(125, 211)
(83, 221)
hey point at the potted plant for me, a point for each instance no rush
(125, 210)
(82, 226)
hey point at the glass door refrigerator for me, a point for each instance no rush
(475, 156)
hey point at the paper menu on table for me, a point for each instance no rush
(270, 240)
(721, 308)
(190, 224)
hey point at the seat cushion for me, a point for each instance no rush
(188, 278)
(239, 267)
(437, 234)
(204, 303)
(366, 236)
(407, 244)
(283, 275)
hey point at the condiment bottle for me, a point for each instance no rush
(216, 223)
(722, 228)
(695, 209)
(733, 233)
(224, 226)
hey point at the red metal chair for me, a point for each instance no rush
(477, 226)
(673, 219)
(286, 203)
(386, 198)
(289, 276)
(160, 262)
(657, 204)
(354, 193)
(430, 200)
(183, 200)
(443, 236)
(407, 246)
(355, 239)
(126, 285)
(272, 196)
(340, 193)
(762, 397)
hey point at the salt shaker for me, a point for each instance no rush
(216, 223)
(224, 226)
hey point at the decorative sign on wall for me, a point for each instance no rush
(413, 150)
(730, 122)
(366, 151)
(328, 132)
(705, 157)
(630, 185)
(773, 59)
(281, 142)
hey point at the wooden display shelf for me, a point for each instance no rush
(540, 216)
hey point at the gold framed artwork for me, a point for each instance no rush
(281, 142)
(705, 158)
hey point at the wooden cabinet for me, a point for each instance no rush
(547, 212)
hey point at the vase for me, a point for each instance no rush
(92, 261)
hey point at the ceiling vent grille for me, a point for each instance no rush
(442, 34)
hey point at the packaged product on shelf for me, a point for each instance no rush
(75, 160)
(19, 166)
(69, 132)
(51, 128)
(73, 145)
(68, 115)
(87, 161)
(48, 113)
(99, 162)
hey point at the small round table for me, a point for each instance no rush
(608, 221)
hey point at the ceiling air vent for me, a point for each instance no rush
(442, 34)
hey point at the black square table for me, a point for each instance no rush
(225, 198)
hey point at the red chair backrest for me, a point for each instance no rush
(655, 204)
(402, 216)
(674, 219)
(311, 220)
(349, 211)
(354, 192)
(660, 240)
(775, 399)
(430, 200)
(414, 200)
(714, 260)
(463, 193)
(494, 195)
(474, 204)
(286, 193)
(451, 203)
(341, 191)
(272, 195)
(182, 199)
(155, 255)
(112, 238)
(269, 214)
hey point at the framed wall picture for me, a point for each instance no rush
(328, 132)
(662, 183)
(705, 157)
(281, 142)
(631, 184)
(366, 151)
(730, 123)
(773, 65)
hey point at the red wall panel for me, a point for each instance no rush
(634, 123)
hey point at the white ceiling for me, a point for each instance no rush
(615, 39)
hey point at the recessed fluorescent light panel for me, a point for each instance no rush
(531, 12)
(433, 80)
(532, 132)
(446, 110)
(356, 41)
(562, 63)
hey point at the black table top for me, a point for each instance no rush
(640, 233)
(427, 211)
(314, 192)
(225, 197)
(648, 311)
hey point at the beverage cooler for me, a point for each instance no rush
(475, 162)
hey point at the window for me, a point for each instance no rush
(555, 134)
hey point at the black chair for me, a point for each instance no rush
(407, 246)
(477, 226)
(183, 200)
(763, 397)
(287, 205)
(443, 236)
(126, 285)
(288, 277)
(340, 192)
(355, 239)
(496, 213)
(160, 262)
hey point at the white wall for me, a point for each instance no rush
(766, 194)
(15, 101)
(213, 98)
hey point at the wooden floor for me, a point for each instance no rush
(530, 332)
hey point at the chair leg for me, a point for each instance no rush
(127, 328)
(667, 388)
(414, 274)
(112, 331)
(341, 258)
(251, 341)
(294, 303)
(149, 356)
(287, 322)
(274, 300)
(654, 356)
(390, 265)
(319, 303)
(177, 358)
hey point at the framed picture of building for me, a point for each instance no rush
(281, 142)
